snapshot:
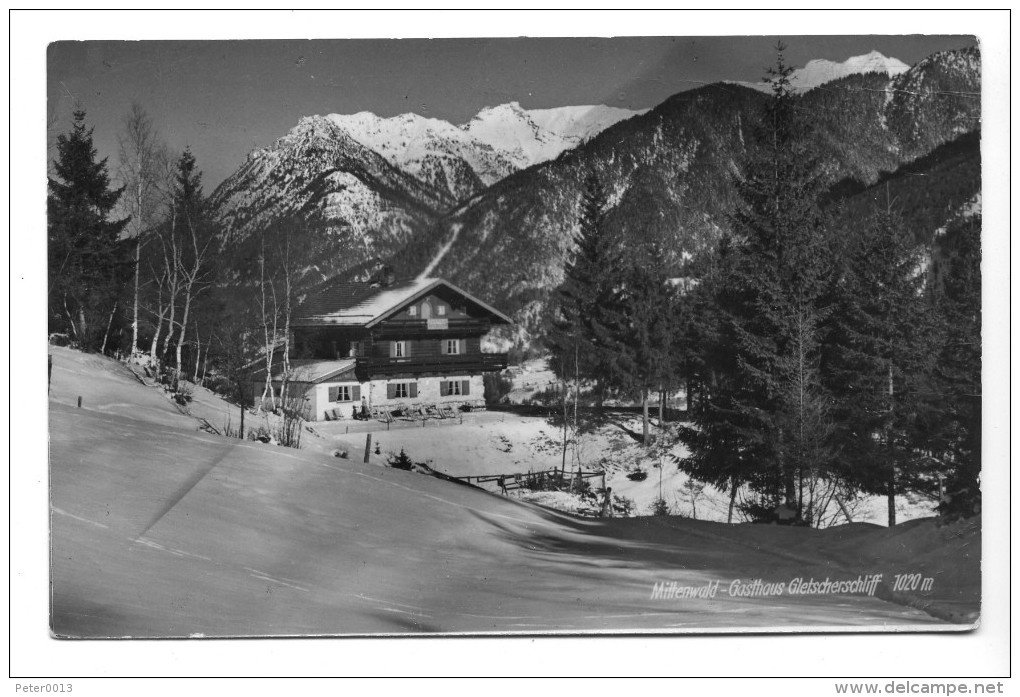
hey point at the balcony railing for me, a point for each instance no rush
(371, 366)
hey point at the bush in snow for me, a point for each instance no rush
(660, 507)
(401, 461)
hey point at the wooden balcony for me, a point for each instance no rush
(469, 364)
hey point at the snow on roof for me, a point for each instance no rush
(319, 371)
(362, 304)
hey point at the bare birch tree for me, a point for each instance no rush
(142, 160)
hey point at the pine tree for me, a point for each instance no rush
(87, 265)
(772, 411)
(957, 276)
(649, 332)
(719, 439)
(882, 353)
(583, 335)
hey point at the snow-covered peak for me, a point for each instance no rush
(494, 143)
(820, 71)
(537, 135)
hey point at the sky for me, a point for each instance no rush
(226, 98)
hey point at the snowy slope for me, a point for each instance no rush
(159, 530)
(820, 71)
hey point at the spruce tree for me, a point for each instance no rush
(882, 354)
(957, 281)
(720, 441)
(649, 333)
(583, 334)
(87, 264)
(774, 298)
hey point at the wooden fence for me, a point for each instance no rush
(541, 480)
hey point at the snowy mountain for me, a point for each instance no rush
(462, 160)
(434, 151)
(492, 205)
(531, 136)
(318, 171)
(376, 180)
(820, 71)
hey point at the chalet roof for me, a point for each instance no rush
(364, 304)
(312, 370)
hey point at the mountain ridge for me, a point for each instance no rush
(670, 168)
(820, 71)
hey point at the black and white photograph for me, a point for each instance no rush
(533, 336)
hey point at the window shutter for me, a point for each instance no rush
(413, 390)
(391, 391)
(356, 393)
(444, 388)
(465, 387)
(334, 394)
(393, 349)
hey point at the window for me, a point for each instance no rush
(398, 349)
(402, 390)
(451, 346)
(454, 388)
(441, 310)
(344, 393)
(413, 310)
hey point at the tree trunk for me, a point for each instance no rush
(563, 465)
(205, 365)
(159, 323)
(184, 328)
(644, 415)
(134, 311)
(842, 507)
(892, 461)
(662, 407)
(82, 328)
(577, 396)
(154, 347)
(733, 501)
(109, 323)
(169, 327)
(198, 355)
(892, 497)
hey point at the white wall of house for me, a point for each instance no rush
(429, 391)
(323, 403)
(374, 393)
